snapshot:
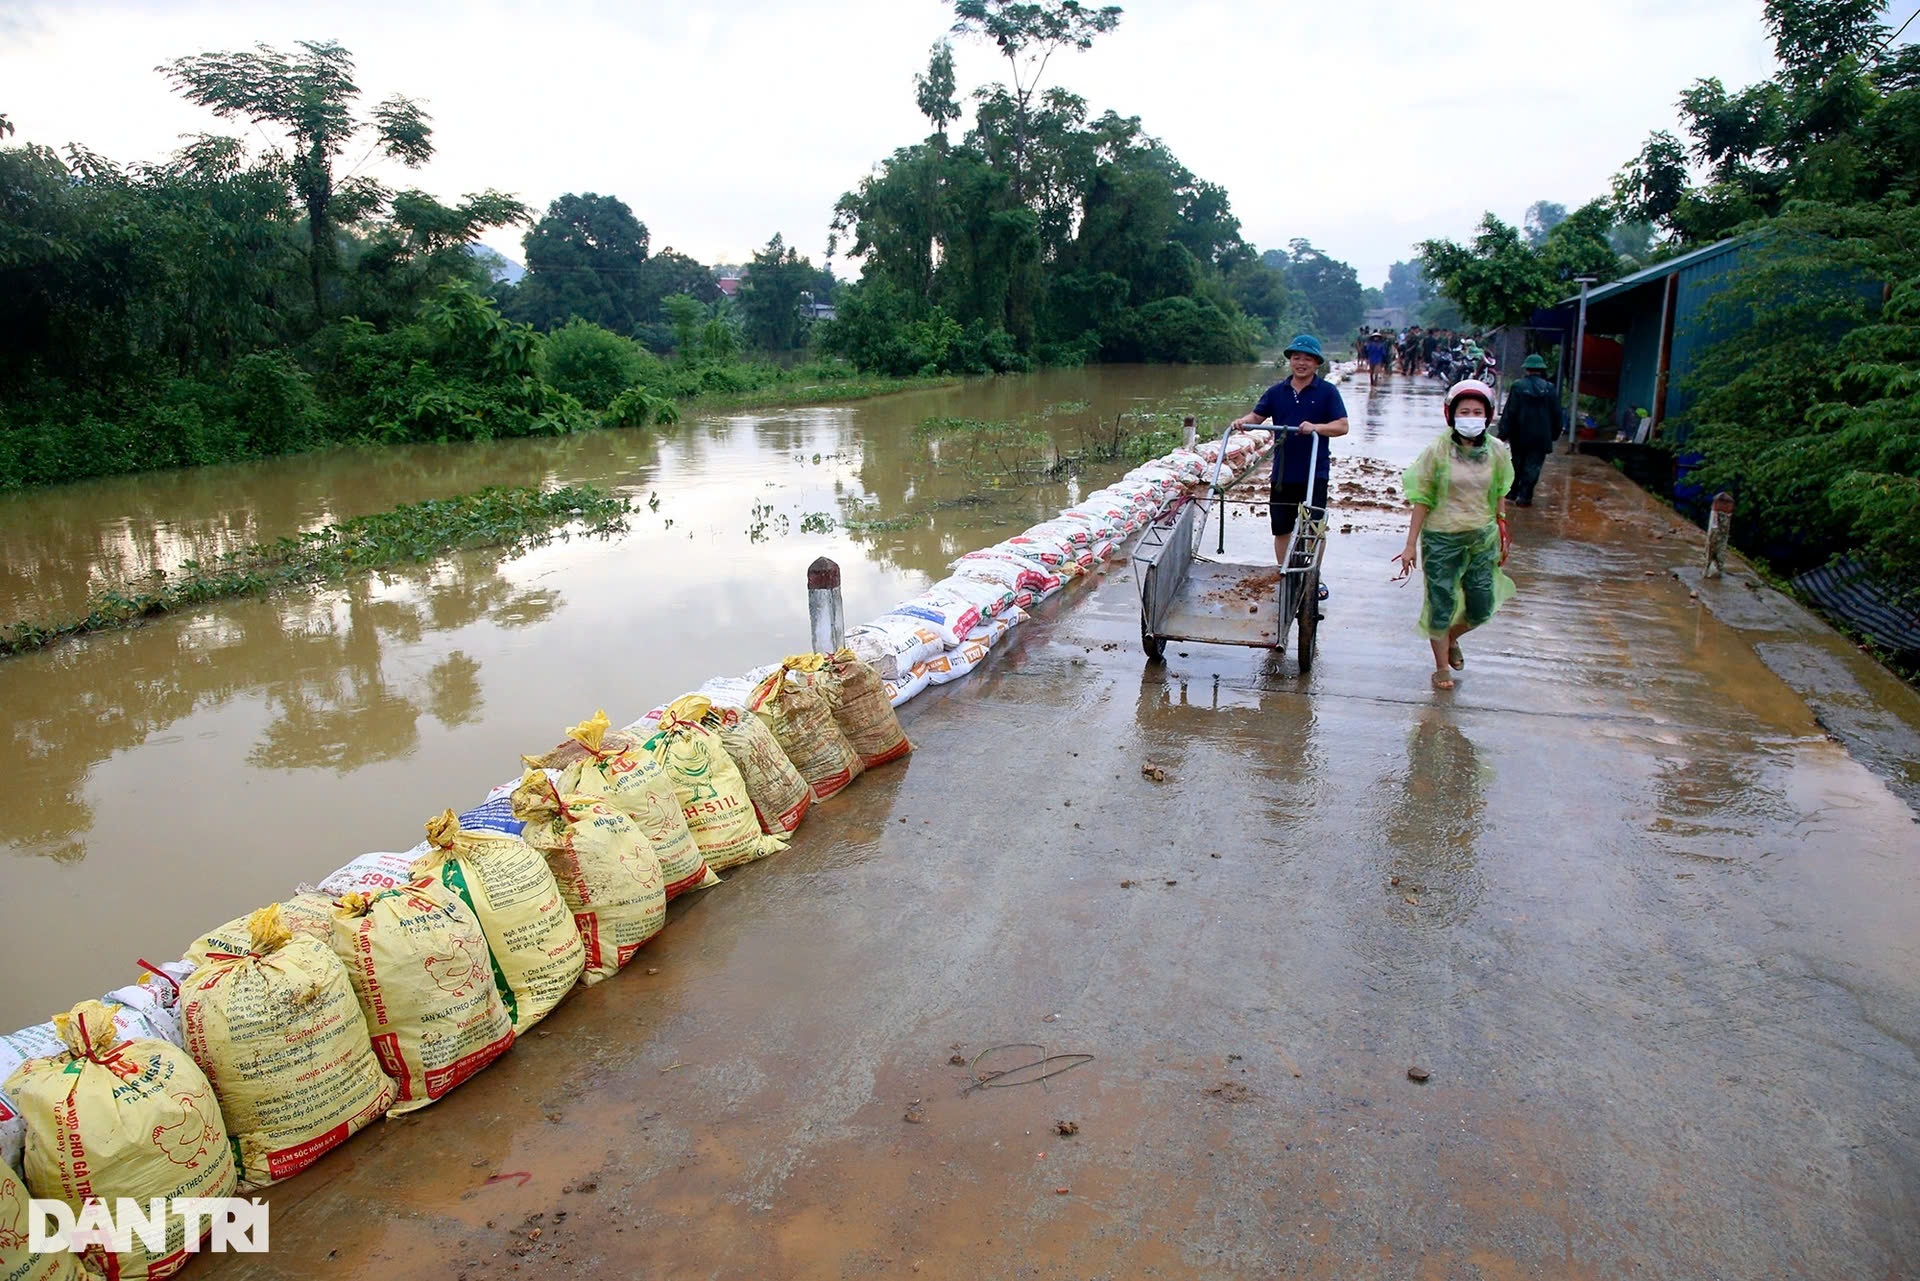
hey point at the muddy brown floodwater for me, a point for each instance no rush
(161, 780)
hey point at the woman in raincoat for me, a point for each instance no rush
(1458, 487)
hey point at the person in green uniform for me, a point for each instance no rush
(1528, 423)
(1458, 487)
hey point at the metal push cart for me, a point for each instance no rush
(1184, 597)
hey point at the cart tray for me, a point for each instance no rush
(1224, 603)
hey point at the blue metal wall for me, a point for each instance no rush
(1697, 283)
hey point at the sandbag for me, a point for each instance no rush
(16, 1262)
(858, 701)
(43, 1040)
(988, 598)
(1006, 568)
(279, 1033)
(606, 871)
(310, 914)
(711, 792)
(802, 723)
(113, 1118)
(367, 873)
(780, 794)
(537, 953)
(955, 663)
(156, 996)
(898, 692)
(951, 617)
(420, 967)
(618, 768)
(891, 645)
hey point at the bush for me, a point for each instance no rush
(592, 364)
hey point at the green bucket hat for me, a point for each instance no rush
(1535, 361)
(1306, 345)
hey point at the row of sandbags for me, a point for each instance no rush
(945, 632)
(280, 1034)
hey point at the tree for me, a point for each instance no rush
(770, 295)
(1331, 287)
(1028, 33)
(933, 92)
(1496, 280)
(586, 258)
(1407, 285)
(309, 96)
(1542, 216)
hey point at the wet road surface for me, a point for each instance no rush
(1648, 928)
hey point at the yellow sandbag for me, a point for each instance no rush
(779, 793)
(858, 699)
(606, 870)
(614, 766)
(711, 792)
(111, 1118)
(537, 954)
(802, 723)
(16, 1263)
(420, 967)
(279, 1033)
(303, 914)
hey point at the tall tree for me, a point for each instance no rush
(770, 295)
(1028, 33)
(309, 96)
(1542, 216)
(585, 257)
(1331, 287)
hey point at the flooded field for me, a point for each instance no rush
(166, 778)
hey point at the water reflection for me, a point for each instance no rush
(1433, 815)
(316, 660)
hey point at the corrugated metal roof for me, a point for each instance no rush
(1659, 271)
(1845, 588)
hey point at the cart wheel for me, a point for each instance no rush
(1308, 622)
(1155, 647)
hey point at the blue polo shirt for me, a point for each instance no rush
(1285, 407)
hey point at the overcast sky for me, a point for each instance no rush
(1362, 128)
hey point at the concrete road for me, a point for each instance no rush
(1649, 929)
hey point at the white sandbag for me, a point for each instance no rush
(368, 873)
(955, 663)
(892, 645)
(899, 692)
(1006, 567)
(949, 615)
(1069, 531)
(989, 598)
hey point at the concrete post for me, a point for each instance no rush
(1579, 349)
(1719, 528)
(1187, 425)
(826, 615)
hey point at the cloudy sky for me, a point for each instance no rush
(1363, 128)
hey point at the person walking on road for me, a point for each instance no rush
(1311, 406)
(1458, 488)
(1376, 352)
(1529, 423)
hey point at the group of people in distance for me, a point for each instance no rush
(1409, 351)
(1457, 487)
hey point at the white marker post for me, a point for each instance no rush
(826, 614)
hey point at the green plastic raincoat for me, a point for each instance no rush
(1463, 574)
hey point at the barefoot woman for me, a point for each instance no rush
(1458, 489)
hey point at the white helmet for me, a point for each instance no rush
(1468, 387)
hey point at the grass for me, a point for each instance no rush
(830, 392)
(512, 518)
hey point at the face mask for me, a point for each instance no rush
(1471, 428)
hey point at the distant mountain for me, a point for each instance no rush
(503, 269)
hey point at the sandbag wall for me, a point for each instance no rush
(418, 969)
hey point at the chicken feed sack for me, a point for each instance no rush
(712, 794)
(537, 953)
(607, 872)
(419, 964)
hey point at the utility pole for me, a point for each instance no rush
(1579, 349)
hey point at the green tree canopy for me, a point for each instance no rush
(309, 96)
